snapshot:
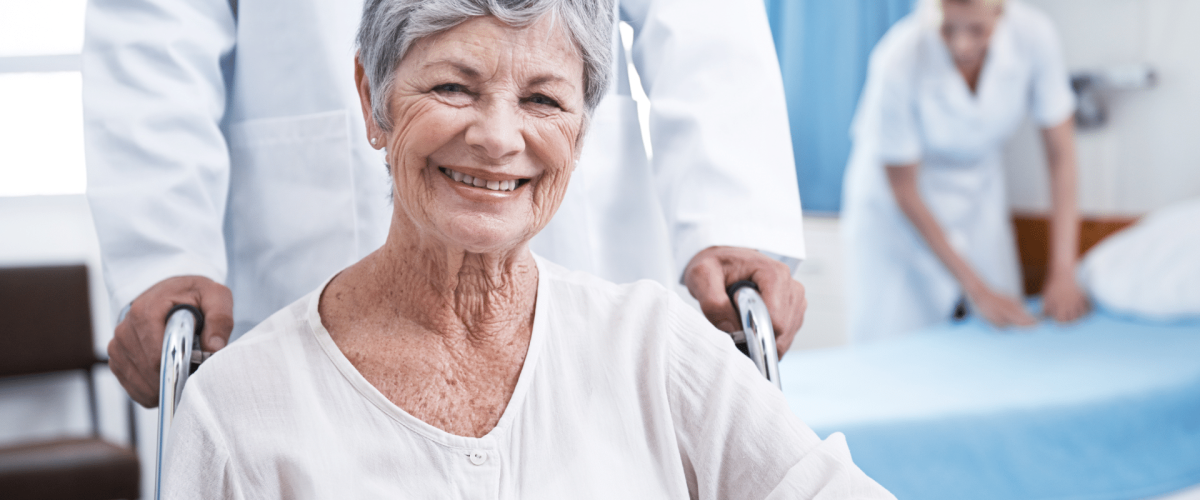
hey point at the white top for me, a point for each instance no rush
(626, 392)
(232, 146)
(916, 108)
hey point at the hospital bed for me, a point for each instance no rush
(1105, 408)
(181, 358)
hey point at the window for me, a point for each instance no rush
(41, 111)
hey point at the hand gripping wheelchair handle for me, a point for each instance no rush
(757, 337)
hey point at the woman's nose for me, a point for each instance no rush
(497, 132)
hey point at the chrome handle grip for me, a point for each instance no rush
(757, 331)
(182, 334)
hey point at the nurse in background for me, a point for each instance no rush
(925, 216)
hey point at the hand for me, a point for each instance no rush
(715, 268)
(135, 352)
(1063, 300)
(1001, 311)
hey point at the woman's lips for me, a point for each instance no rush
(493, 185)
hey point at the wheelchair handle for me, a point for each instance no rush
(180, 357)
(757, 334)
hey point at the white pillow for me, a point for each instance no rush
(1151, 269)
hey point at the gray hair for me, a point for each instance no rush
(390, 28)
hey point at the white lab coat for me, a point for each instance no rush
(233, 147)
(916, 108)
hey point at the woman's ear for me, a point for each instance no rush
(374, 134)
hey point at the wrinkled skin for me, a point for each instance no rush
(439, 318)
(488, 126)
(492, 125)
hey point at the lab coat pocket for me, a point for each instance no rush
(291, 218)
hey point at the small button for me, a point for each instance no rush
(478, 457)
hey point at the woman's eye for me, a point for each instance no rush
(542, 100)
(450, 88)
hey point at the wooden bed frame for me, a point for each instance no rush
(1033, 242)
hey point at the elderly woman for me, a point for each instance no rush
(453, 363)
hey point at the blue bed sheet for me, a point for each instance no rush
(1107, 408)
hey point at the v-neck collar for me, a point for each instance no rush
(997, 55)
(370, 393)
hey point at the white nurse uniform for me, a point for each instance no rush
(917, 108)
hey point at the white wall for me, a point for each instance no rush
(1148, 155)
(822, 275)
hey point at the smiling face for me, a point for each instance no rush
(967, 27)
(487, 121)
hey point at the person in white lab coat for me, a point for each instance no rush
(925, 217)
(227, 165)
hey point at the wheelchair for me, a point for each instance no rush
(181, 354)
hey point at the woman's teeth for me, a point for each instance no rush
(480, 183)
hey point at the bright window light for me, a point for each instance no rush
(41, 27)
(41, 134)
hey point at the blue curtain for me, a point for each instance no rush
(823, 46)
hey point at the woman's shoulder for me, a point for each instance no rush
(899, 50)
(600, 295)
(642, 314)
(237, 407)
(263, 356)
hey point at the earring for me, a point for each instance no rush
(374, 140)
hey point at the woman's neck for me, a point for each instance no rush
(970, 75)
(425, 285)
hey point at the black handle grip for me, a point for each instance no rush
(733, 289)
(192, 309)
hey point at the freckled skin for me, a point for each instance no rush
(439, 318)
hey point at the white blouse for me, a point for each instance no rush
(626, 392)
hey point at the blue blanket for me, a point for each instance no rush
(1107, 408)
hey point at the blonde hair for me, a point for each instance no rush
(931, 12)
(989, 3)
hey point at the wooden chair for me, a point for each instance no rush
(46, 327)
